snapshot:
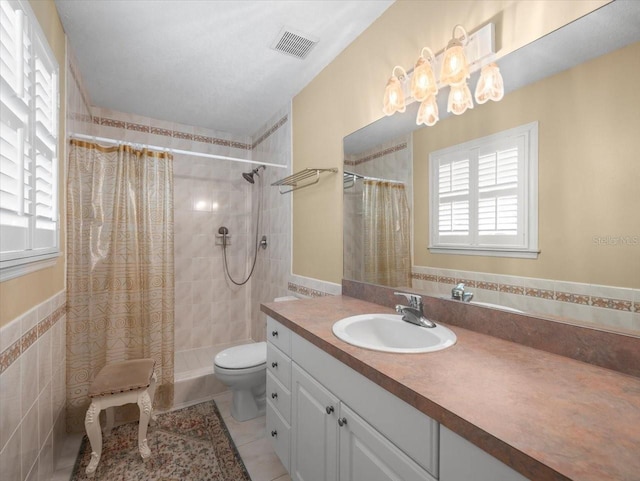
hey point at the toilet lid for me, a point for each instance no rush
(242, 357)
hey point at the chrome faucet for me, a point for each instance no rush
(459, 294)
(413, 312)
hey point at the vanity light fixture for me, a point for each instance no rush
(464, 54)
(490, 86)
(423, 80)
(393, 95)
(455, 67)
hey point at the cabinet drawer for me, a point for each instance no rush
(279, 335)
(279, 365)
(279, 396)
(279, 432)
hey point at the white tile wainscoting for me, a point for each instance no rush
(32, 391)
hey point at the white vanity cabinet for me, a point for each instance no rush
(462, 460)
(278, 391)
(314, 429)
(345, 427)
(327, 422)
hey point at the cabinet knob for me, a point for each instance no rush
(274, 333)
(274, 364)
(329, 409)
(274, 395)
(342, 421)
(274, 434)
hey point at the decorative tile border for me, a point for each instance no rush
(376, 155)
(120, 124)
(270, 131)
(306, 291)
(569, 297)
(177, 134)
(13, 352)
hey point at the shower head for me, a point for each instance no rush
(248, 176)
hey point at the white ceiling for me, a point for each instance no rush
(206, 63)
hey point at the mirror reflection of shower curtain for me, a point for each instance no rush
(387, 252)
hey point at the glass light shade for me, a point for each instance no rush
(423, 80)
(490, 85)
(455, 67)
(393, 97)
(459, 99)
(428, 112)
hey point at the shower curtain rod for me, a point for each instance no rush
(172, 150)
(355, 176)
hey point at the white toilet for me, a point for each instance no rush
(244, 370)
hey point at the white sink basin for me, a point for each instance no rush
(389, 333)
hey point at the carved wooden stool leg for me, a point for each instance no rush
(144, 403)
(109, 414)
(92, 425)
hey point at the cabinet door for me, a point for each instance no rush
(367, 455)
(314, 430)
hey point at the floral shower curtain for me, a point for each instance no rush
(120, 278)
(387, 251)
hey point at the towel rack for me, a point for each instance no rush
(294, 180)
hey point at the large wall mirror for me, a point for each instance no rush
(580, 83)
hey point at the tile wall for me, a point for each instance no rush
(272, 143)
(605, 306)
(32, 391)
(210, 309)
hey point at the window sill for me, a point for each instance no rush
(484, 251)
(28, 266)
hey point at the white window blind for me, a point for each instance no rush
(28, 141)
(483, 195)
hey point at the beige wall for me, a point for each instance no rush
(22, 293)
(347, 95)
(588, 172)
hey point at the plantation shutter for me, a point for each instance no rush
(454, 199)
(28, 139)
(483, 195)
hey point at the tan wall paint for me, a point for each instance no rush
(22, 293)
(588, 172)
(347, 95)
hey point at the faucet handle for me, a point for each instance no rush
(415, 300)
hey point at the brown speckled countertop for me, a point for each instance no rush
(547, 416)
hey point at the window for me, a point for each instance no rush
(28, 144)
(484, 195)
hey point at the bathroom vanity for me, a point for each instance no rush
(484, 409)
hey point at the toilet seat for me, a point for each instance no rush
(245, 357)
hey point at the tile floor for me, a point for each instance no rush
(249, 437)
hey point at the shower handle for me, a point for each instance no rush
(224, 232)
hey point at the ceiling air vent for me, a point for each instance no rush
(293, 43)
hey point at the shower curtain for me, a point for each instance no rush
(387, 252)
(120, 278)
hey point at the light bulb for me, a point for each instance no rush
(455, 68)
(490, 86)
(459, 99)
(428, 112)
(423, 81)
(393, 100)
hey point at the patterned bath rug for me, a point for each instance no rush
(191, 444)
